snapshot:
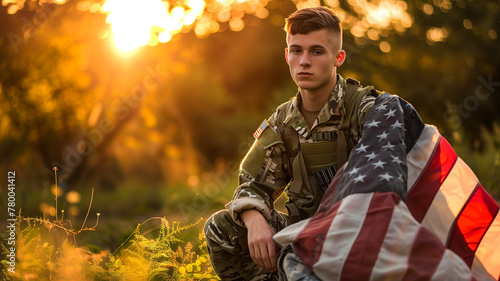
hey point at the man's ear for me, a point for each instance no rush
(286, 56)
(340, 58)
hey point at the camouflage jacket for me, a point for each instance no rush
(289, 156)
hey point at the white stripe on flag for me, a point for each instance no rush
(487, 261)
(342, 235)
(452, 268)
(289, 234)
(450, 199)
(420, 154)
(392, 260)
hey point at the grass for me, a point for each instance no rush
(113, 249)
(48, 250)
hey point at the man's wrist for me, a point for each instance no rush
(250, 216)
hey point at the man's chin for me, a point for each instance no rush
(307, 88)
(306, 85)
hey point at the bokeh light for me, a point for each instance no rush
(73, 197)
(204, 17)
(437, 34)
(56, 190)
(137, 23)
(385, 46)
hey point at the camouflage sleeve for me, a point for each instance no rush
(365, 106)
(262, 176)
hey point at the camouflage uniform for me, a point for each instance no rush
(295, 270)
(228, 247)
(287, 155)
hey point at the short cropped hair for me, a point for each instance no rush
(306, 20)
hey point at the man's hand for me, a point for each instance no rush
(260, 240)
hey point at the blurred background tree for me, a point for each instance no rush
(163, 96)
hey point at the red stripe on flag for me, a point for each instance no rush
(257, 133)
(471, 224)
(311, 239)
(366, 248)
(425, 256)
(422, 193)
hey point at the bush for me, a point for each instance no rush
(47, 250)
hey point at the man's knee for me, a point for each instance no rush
(215, 224)
(222, 233)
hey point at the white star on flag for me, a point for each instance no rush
(361, 148)
(401, 178)
(388, 146)
(386, 177)
(390, 113)
(359, 178)
(373, 124)
(371, 156)
(396, 160)
(379, 164)
(353, 171)
(397, 125)
(382, 136)
(381, 107)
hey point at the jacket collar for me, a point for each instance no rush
(295, 119)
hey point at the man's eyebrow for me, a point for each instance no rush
(311, 47)
(318, 46)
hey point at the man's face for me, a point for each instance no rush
(313, 59)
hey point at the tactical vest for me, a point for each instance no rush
(314, 164)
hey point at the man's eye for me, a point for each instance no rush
(296, 51)
(317, 52)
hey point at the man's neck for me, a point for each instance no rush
(314, 100)
(309, 116)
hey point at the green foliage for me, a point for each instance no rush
(142, 258)
(482, 156)
(41, 254)
(47, 250)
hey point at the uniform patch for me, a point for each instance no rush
(261, 129)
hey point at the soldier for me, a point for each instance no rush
(297, 150)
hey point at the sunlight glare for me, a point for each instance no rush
(189, 18)
(132, 20)
(383, 15)
(137, 23)
(386, 14)
(197, 6)
(225, 2)
(164, 37)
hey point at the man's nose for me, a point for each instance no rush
(305, 60)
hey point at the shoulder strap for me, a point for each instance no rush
(353, 96)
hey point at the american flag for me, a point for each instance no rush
(404, 207)
(261, 129)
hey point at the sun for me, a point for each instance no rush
(136, 23)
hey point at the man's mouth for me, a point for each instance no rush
(305, 74)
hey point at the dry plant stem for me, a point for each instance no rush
(131, 234)
(57, 191)
(88, 211)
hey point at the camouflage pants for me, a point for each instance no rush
(295, 270)
(228, 248)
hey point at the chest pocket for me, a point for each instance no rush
(319, 155)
